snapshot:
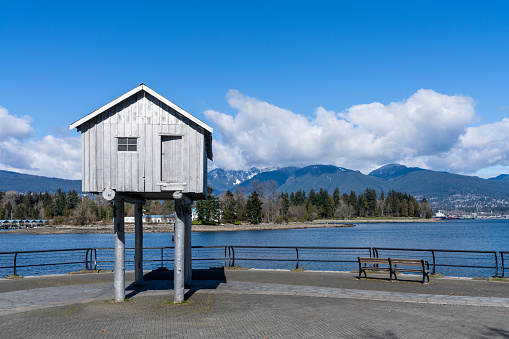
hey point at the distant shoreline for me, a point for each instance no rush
(379, 221)
(157, 228)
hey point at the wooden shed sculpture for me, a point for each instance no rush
(142, 146)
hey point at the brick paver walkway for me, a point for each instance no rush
(253, 304)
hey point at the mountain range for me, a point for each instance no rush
(12, 181)
(442, 188)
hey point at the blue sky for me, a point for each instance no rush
(356, 84)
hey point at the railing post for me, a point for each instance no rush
(232, 257)
(86, 259)
(502, 262)
(15, 260)
(297, 250)
(95, 258)
(496, 265)
(162, 262)
(433, 255)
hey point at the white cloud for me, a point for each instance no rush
(14, 127)
(51, 156)
(428, 130)
(479, 150)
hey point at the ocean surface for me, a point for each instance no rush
(473, 235)
(479, 235)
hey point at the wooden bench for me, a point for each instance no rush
(393, 266)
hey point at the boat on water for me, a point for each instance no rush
(440, 216)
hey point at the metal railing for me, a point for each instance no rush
(447, 262)
(324, 258)
(504, 261)
(159, 257)
(44, 258)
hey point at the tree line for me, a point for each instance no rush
(69, 208)
(265, 204)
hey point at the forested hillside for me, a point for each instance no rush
(23, 183)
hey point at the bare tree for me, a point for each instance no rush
(271, 198)
(239, 194)
(82, 214)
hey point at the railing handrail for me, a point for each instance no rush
(44, 251)
(91, 259)
(432, 249)
(302, 247)
(158, 248)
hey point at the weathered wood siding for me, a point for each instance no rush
(149, 120)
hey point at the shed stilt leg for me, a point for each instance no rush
(138, 244)
(188, 268)
(119, 277)
(178, 275)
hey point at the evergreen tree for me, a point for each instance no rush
(229, 207)
(254, 208)
(72, 199)
(336, 198)
(18, 212)
(208, 210)
(312, 197)
(324, 204)
(404, 208)
(60, 203)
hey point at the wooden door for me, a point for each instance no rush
(171, 159)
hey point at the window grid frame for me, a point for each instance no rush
(127, 144)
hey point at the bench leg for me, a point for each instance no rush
(362, 270)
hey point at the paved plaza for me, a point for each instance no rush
(253, 304)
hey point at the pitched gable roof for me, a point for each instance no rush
(143, 87)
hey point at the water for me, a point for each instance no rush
(489, 235)
(475, 235)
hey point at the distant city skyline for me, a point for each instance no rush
(351, 84)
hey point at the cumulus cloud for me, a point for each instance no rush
(478, 149)
(428, 130)
(52, 156)
(12, 127)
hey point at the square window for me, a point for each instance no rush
(128, 144)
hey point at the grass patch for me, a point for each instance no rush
(184, 302)
(240, 268)
(11, 276)
(436, 275)
(300, 269)
(90, 271)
